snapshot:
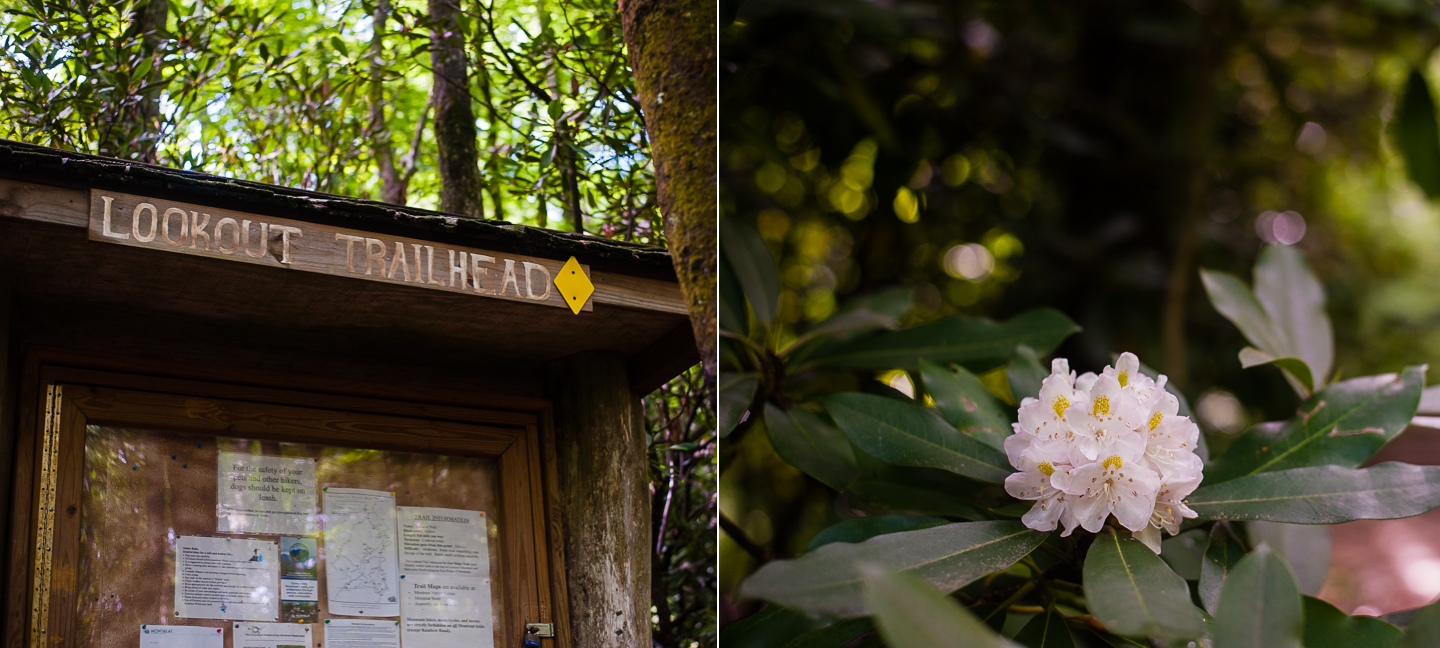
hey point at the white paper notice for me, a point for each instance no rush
(226, 578)
(445, 578)
(361, 564)
(362, 633)
(272, 635)
(265, 495)
(168, 636)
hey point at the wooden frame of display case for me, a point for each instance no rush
(62, 393)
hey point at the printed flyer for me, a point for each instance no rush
(226, 578)
(445, 578)
(361, 566)
(299, 581)
(265, 495)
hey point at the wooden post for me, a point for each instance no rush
(604, 487)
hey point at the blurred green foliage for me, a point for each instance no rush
(280, 93)
(1088, 156)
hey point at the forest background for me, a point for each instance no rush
(522, 111)
(926, 159)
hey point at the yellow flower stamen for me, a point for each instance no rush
(1101, 407)
(1124, 378)
(1113, 461)
(1060, 403)
(1155, 420)
(1047, 468)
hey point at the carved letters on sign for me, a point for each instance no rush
(138, 221)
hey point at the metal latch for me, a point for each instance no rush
(541, 629)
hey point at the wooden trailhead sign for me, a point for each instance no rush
(283, 243)
(195, 368)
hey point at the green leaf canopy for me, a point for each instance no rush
(737, 391)
(805, 441)
(1221, 554)
(1343, 425)
(1327, 627)
(1259, 606)
(1323, 495)
(976, 343)
(906, 434)
(912, 612)
(1133, 592)
(827, 580)
(965, 403)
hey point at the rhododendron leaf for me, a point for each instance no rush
(805, 441)
(1133, 592)
(966, 404)
(881, 496)
(861, 529)
(1259, 606)
(1229, 295)
(1343, 425)
(906, 434)
(1253, 357)
(828, 581)
(1221, 554)
(752, 266)
(1025, 373)
(835, 636)
(1046, 630)
(1327, 627)
(976, 343)
(1295, 302)
(771, 627)
(911, 612)
(737, 391)
(1423, 631)
(1323, 494)
(1305, 547)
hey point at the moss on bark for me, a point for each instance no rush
(672, 51)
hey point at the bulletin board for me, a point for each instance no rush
(156, 510)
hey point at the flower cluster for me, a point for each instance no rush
(1092, 446)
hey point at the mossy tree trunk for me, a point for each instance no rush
(455, 133)
(672, 51)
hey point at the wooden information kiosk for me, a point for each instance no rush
(239, 415)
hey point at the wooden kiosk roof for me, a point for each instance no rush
(70, 291)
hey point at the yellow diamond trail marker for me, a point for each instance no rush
(574, 286)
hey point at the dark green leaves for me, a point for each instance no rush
(752, 266)
(911, 612)
(1133, 592)
(1343, 424)
(1327, 627)
(805, 441)
(737, 391)
(1295, 302)
(966, 404)
(1046, 630)
(1284, 318)
(1323, 495)
(910, 435)
(976, 343)
(1416, 136)
(1259, 606)
(1221, 555)
(1253, 357)
(860, 529)
(1423, 631)
(828, 581)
